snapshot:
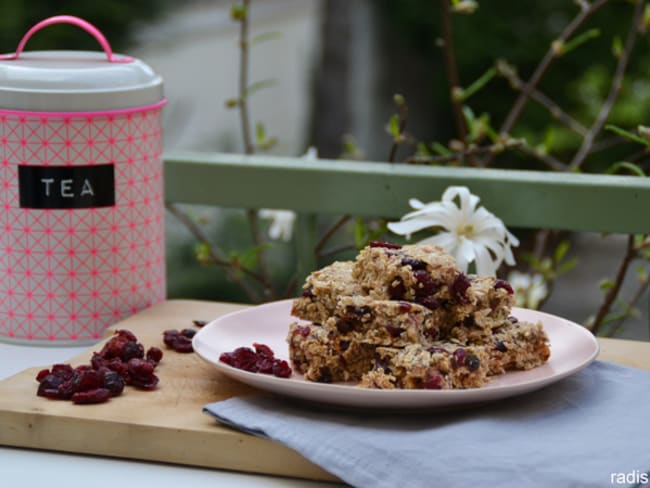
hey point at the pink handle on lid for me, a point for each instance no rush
(68, 19)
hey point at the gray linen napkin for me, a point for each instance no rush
(591, 429)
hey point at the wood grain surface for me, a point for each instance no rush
(167, 424)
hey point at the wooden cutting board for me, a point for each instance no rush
(165, 425)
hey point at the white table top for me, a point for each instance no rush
(28, 467)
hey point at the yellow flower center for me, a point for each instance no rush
(465, 230)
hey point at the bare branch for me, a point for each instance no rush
(585, 12)
(612, 293)
(452, 69)
(216, 255)
(615, 89)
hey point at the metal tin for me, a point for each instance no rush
(81, 186)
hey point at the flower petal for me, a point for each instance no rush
(485, 265)
(410, 226)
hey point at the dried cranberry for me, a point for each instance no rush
(472, 362)
(388, 245)
(429, 302)
(458, 358)
(99, 395)
(302, 331)
(433, 381)
(505, 285)
(437, 350)
(241, 358)
(513, 319)
(281, 369)
(113, 382)
(432, 333)
(261, 360)
(64, 371)
(140, 367)
(199, 323)
(87, 380)
(179, 341)
(405, 307)
(42, 374)
(132, 349)
(145, 383)
(127, 334)
(308, 292)
(394, 331)
(500, 346)
(352, 310)
(459, 288)
(344, 345)
(344, 326)
(415, 264)
(425, 284)
(263, 350)
(154, 354)
(49, 382)
(396, 289)
(325, 375)
(189, 333)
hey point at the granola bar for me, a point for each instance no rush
(384, 322)
(418, 273)
(518, 345)
(324, 358)
(322, 290)
(486, 304)
(443, 366)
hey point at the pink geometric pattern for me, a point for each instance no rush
(67, 274)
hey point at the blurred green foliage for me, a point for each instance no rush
(117, 19)
(521, 33)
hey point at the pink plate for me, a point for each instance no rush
(572, 348)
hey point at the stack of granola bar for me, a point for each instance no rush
(406, 317)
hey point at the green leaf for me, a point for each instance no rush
(423, 150)
(641, 274)
(249, 258)
(566, 266)
(561, 250)
(470, 118)
(478, 84)
(268, 144)
(579, 40)
(260, 85)
(202, 252)
(626, 165)
(359, 233)
(393, 126)
(232, 102)
(549, 139)
(627, 134)
(260, 132)
(440, 149)
(264, 37)
(605, 285)
(617, 47)
(238, 12)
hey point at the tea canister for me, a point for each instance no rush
(81, 188)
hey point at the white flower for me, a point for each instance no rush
(282, 220)
(281, 223)
(530, 290)
(470, 234)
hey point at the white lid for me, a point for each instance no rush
(74, 81)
